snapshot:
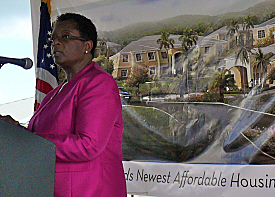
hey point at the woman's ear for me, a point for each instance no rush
(88, 45)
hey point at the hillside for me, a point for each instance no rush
(199, 23)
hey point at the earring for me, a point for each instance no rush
(86, 52)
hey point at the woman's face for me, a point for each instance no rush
(68, 48)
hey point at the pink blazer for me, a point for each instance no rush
(84, 120)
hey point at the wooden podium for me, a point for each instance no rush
(27, 163)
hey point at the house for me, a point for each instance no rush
(161, 62)
(263, 34)
(212, 47)
(108, 49)
(146, 52)
(221, 34)
(257, 72)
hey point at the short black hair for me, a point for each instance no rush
(84, 25)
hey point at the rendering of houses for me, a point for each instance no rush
(170, 62)
(146, 52)
(263, 34)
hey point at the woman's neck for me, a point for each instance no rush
(70, 73)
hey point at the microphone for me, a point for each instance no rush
(25, 63)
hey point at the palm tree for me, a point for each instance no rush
(242, 53)
(220, 80)
(261, 61)
(247, 24)
(188, 38)
(166, 42)
(233, 28)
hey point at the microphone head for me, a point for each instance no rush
(28, 64)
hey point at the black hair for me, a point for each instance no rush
(84, 25)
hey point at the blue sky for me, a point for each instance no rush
(16, 84)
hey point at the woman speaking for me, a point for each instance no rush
(82, 116)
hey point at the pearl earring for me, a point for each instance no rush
(86, 52)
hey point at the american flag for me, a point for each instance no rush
(46, 71)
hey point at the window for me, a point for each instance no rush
(165, 70)
(123, 73)
(125, 58)
(261, 34)
(163, 55)
(151, 56)
(206, 50)
(138, 57)
(153, 70)
(220, 49)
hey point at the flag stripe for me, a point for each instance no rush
(39, 96)
(46, 71)
(45, 75)
(43, 86)
(36, 104)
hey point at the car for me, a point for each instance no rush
(124, 95)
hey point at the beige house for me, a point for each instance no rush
(212, 47)
(221, 34)
(263, 38)
(263, 34)
(146, 52)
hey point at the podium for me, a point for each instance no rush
(27, 163)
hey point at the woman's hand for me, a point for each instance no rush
(9, 119)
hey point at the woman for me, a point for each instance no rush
(82, 116)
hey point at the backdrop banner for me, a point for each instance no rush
(197, 86)
(181, 179)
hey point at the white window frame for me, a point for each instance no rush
(150, 56)
(261, 34)
(124, 71)
(153, 70)
(166, 56)
(138, 60)
(221, 48)
(125, 58)
(165, 69)
(206, 50)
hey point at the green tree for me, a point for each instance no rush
(166, 42)
(220, 80)
(139, 76)
(188, 38)
(105, 63)
(242, 54)
(61, 74)
(261, 62)
(233, 28)
(247, 24)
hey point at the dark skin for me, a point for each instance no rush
(9, 119)
(72, 55)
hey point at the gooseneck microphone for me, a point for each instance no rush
(25, 63)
